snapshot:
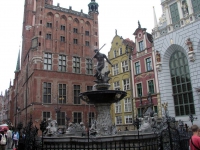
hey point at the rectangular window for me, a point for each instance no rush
(141, 46)
(125, 66)
(118, 120)
(87, 33)
(61, 118)
(76, 65)
(137, 68)
(62, 38)
(115, 69)
(49, 25)
(96, 33)
(91, 118)
(46, 115)
(47, 61)
(115, 53)
(87, 43)
(174, 13)
(46, 92)
(120, 51)
(116, 85)
(148, 64)
(75, 41)
(48, 36)
(62, 63)
(89, 88)
(62, 27)
(118, 107)
(77, 117)
(140, 112)
(151, 86)
(89, 66)
(128, 119)
(75, 30)
(62, 93)
(126, 84)
(127, 105)
(139, 89)
(76, 94)
(196, 6)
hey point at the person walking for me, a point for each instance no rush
(15, 138)
(3, 140)
(195, 139)
(9, 138)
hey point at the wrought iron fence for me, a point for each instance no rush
(168, 135)
(145, 144)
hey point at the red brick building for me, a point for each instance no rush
(55, 63)
(144, 73)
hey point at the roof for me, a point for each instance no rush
(129, 42)
(150, 37)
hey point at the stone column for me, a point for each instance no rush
(104, 122)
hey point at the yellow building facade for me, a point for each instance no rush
(121, 112)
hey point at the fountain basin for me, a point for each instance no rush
(102, 96)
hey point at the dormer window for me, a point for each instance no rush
(141, 46)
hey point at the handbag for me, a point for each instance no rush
(194, 145)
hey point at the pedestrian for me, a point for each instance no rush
(15, 138)
(3, 139)
(199, 132)
(195, 139)
(9, 138)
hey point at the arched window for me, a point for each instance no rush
(181, 84)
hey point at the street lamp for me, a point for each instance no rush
(149, 98)
(137, 124)
(192, 118)
(58, 109)
(67, 118)
(43, 126)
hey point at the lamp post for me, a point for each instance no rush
(43, 126)
(58, 109)
(192, 118)
(129, 51)
(67, 119)
(137, 124)
(149, 98)
(18, 113)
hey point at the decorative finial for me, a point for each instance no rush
(139, 26)
(115, 31)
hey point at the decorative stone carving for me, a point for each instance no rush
(191, 53)
(51, 128)
(158, 61)
(162, 19)
(104, 121)
(184, 8)
(37, 59)
(76, 129)
(145, 126)
(165, 107)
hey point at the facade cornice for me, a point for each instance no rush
(65, 10)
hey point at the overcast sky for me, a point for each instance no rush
(122, 15)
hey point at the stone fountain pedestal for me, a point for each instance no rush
(104, 122)
(102, 98)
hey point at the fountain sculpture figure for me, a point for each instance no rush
(102, 98)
